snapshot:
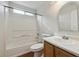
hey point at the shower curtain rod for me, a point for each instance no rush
(24, 11)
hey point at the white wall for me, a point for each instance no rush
(44, 25)
(2, 31)
(50, 17)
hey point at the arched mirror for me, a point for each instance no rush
(68, 17)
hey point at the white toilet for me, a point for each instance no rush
(37, 48)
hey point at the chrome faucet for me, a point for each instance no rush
(65, 37)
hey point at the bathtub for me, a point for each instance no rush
(17, 50)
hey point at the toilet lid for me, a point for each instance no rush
(37, 46)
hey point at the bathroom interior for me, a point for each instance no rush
(39, 28)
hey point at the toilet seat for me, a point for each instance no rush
(37, 47)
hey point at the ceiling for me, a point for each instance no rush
(42, 7)
(38, 5)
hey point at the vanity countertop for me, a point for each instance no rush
(70, 45)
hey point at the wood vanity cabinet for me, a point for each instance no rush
(48, 50)
(53, 51)
(61, 53)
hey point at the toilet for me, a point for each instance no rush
(37, 49)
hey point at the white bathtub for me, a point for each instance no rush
(17, 50)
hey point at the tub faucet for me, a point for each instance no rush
(65, 37)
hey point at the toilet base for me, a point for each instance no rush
(38, 54)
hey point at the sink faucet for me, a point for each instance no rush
(65, 37)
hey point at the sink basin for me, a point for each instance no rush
(66, 42)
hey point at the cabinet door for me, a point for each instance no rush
(48, 50)
(61, 53)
